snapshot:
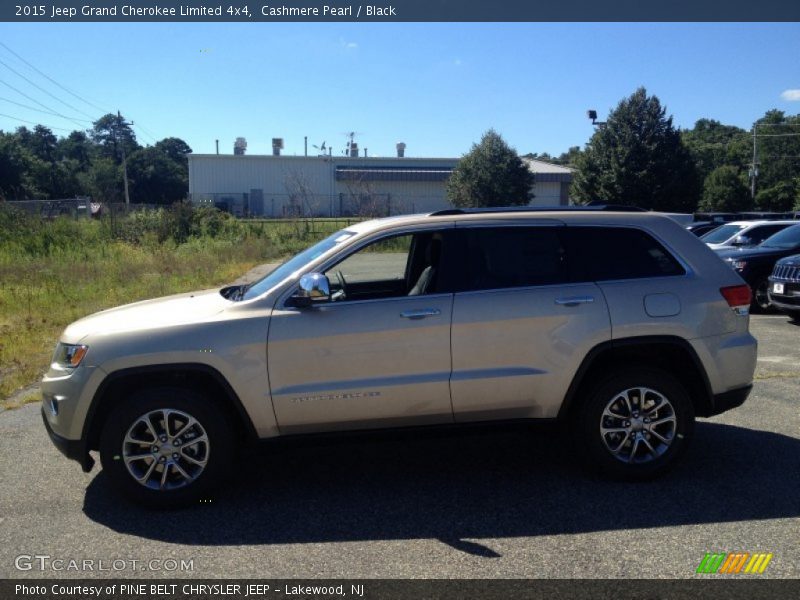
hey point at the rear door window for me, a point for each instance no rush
(610, 253)
(512, 257)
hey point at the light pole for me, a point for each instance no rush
(592, 114)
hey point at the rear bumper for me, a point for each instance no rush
(73, 449)
(728, 400)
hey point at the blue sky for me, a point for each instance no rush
(435, 86)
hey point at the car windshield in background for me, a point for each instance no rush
(722, 233)
(293, 264)
(788, 238)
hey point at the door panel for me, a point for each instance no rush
(515, 351)
(350, 365)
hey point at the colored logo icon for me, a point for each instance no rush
(734, 563)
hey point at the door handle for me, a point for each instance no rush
(575, 300)
(420, 313)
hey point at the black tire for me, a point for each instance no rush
(596, 447)
(216, 453)
(761, 302)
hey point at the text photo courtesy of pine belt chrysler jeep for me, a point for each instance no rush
(621, 324)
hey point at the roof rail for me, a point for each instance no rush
(501, 209)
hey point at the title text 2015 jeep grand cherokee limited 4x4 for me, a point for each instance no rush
(622, 323)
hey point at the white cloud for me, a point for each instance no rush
(349, 45)
(791, 95)
(457, 62)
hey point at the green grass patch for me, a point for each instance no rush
(55, 272)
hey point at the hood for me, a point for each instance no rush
(790, 261)
(751, 252)
(179, 309)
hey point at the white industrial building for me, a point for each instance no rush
(326, 185)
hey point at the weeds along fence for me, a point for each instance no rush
(309, 226)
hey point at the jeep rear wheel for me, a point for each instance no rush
(635, 424)
(166, 447)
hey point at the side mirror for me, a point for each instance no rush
(741, 240)
(314, 288)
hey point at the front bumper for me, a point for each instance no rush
(74, 449)
(789, 300)
(731, 399)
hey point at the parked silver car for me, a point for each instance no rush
(623, 324)
(737, 234)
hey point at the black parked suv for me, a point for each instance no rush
(756, 264)
(784, 286)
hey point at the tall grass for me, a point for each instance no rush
(54, 272)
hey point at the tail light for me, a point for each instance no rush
(738, 298)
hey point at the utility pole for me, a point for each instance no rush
(120, 122)
(754, 170)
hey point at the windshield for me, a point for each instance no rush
(295, 263)
(722, 233)
(788, 238)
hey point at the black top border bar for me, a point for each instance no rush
(208, 11)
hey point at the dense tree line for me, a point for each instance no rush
(36, 164)
(639, 157)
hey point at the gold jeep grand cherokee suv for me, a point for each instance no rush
(622, 324)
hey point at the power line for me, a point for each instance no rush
(777, 134)
(37, 86)
(47, 112)
(34, 100)
(144, 130)
(54, 82)
(32, 122)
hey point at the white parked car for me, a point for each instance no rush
(743, 233)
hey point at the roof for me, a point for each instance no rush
(541, 166)
(548, 172)
(394, 168)
(559, 216)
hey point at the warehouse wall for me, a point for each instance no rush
(276, 186)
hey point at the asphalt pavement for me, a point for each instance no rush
(487, 503)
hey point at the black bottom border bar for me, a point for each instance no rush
(713, 586)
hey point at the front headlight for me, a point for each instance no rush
(69, 356)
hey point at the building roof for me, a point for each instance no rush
(393, 168)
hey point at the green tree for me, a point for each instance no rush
(713, 145)
(112, 134)
(637, 158)
(155, 178)
(78, 147)
(725, 191)
(490, 174)
(103, 181)
(175, 149)
(14, 166)
(780, 197)
(43, 172)
(778, 149)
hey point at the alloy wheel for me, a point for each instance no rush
(638, 425)
(165, 449)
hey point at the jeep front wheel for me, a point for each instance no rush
(635, 424)
(166, 447)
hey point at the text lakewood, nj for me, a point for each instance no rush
(54, 11)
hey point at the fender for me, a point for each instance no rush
(598, 351)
